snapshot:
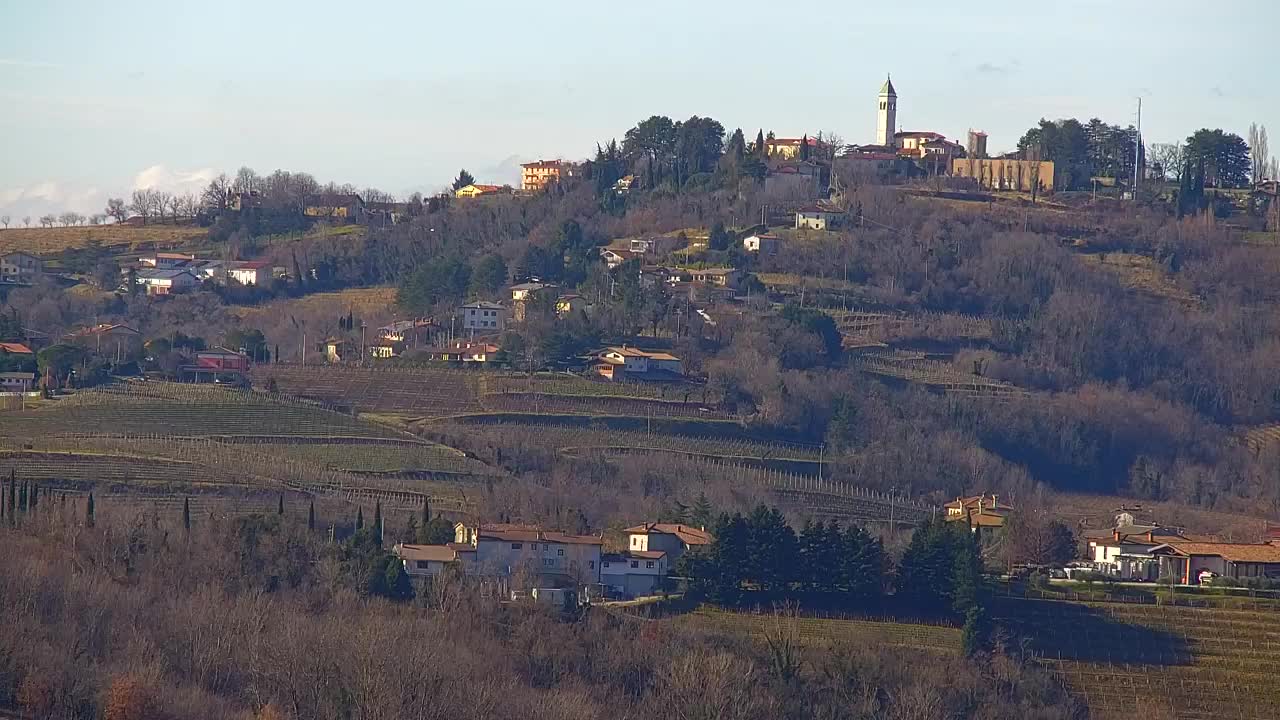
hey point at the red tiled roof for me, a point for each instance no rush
(1231, 552)
(508, 532)
(688, 535)
(15, 348)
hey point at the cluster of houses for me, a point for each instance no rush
(534, 176)
(167, 273)
(14, 357)
(515, 558)
(1139, 549)
(20, 268)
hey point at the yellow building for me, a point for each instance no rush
(536, 175)
(475, 191)
(1000, 174)
(788, 148)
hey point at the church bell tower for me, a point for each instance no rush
(887, 116)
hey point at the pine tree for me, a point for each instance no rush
(280, 505)
(311, 516)
(186, 513)
(377, 523)
(22, 497)
(88, 514)
(359, 518)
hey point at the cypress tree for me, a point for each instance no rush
(186, 513)
(426, 510)
(377, 523)
(88, 514)
(359, 518)
(280, 505)
(13, 496)
(22, 497)
(35, 495)
(311, 516)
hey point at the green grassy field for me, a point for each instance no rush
(824, 630)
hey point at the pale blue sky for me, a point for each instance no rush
(399, 95)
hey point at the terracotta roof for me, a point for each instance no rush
(688, 535)
(1231, 552)
(919, 133)
(434, 553)
(250, 265)
(104, 328)
(648, 554)
(15, 348)
(483, 305)
(508, 532)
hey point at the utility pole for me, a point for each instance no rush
(1137, 150)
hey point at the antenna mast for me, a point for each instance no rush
(1137, 150)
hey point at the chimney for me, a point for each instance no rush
(995, 500)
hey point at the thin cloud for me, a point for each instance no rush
(14, 62)
(990, 68)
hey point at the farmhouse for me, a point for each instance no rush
(115, 337)
(429, 561)
(626, 363)
(654, 245)
(484, 316)
(165, 261)
(788, 148)
(614, 258)
(215, 364)
(167, 282)
(474, 191)
(17, 381)
(250, 272)
(1185, 561)
(1125, 552)
(20, 267)
(570, 304)
(544, 558)
(635, 573)
(981, 512)
(764, 243)
(716, 277)
(403, 331)
(13, 348)
(671, 538)
(816, 217)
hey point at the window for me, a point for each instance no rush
(604, 564)
(422, 564)
(649, 564)
(548, 562)
(560, 552)
(517, 546)
(635, 563)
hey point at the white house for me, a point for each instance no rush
(654, 245)
(17, 381)
(427, 561)
(634, 574)
(671, 538)
(541, 557)
(251, 272)
(484, 316)
(717, 277)
(1125, 551)
(817, 218)
(167, 282)
(765, 244)
(20, 267)
(166, 261)
(612, 258)
(618, 363)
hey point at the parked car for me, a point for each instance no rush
(1206, 575)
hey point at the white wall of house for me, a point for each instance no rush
(483, 318)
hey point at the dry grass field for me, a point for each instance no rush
(361, 301)
(1097, 512)
(1140, 273)
(45, 241)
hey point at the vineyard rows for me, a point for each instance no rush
(826, 630)
(934, 374)
(598, 405)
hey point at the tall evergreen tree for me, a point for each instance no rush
(359, 518)
(311, 516)
(89, 518)
(186, 513)
(426, 510)
(35, 496)
(377, 523)
(760, 148)
(280, 505)
(22, 497)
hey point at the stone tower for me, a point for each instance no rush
(887, 116)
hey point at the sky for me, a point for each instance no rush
(98, 99)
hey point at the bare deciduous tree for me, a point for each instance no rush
(116, 209)
(26, 221)
(142, 204)
(67, 219)
(1169, 157)
(215, 195)
(5, 220)
(96, 219)
(1259, 152)
(48, 220)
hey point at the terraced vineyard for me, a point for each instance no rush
(939, 376)
(383, 458)
(1126, 660)
(425, 392)
(598, 405)
(140, 408)
(825, 630)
